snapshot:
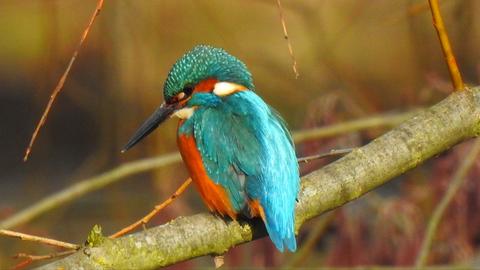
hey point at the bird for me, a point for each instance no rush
(237, 149)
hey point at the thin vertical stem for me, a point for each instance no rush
(446, 47)
(285, 35)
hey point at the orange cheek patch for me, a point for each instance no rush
(205, 85)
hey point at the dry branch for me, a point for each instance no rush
(91, 184)
(285, 35)
(62, 80)
(453, 69)
(38, 239)
(94, 183)
(155, 210)
(427, 134)
(29, 259)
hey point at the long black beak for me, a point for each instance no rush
(160, 115)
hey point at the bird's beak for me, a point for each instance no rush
(160, 115)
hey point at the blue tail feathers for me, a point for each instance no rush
(282, 239)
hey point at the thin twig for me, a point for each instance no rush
(186, 183)
(285, 35)
(38, 239)
(446, 48)
(43, 257)
(86, 186)
(32, 258)
(155, 211)
(22, 264)
(121, 172)
(455, 184)
(61, 82)
(333, 152)
(389, 120)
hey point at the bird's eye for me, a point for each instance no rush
(188, 90)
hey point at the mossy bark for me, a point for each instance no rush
(425, 135)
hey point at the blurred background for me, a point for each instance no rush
(355, 59)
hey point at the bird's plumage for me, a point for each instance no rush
(245, 149)
(237, 149)
(203, 62)
(213, 194)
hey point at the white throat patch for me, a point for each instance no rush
(184, 113)
(227, 88)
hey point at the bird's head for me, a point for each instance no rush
(204, 69)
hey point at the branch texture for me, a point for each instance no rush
(425, 135)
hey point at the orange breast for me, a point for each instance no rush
(214, 195)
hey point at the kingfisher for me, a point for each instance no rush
(237, 149)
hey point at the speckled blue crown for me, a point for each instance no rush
(204, 62)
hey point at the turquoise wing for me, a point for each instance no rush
(229, 150)
(246, 148)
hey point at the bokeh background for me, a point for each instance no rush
(355, 58)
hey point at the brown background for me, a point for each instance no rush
(355, 58)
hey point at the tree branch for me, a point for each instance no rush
(85, 186)
(121, 172)
(429, 133)
(386, 119)
(38, 239)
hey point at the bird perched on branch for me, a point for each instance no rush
(237, 149)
